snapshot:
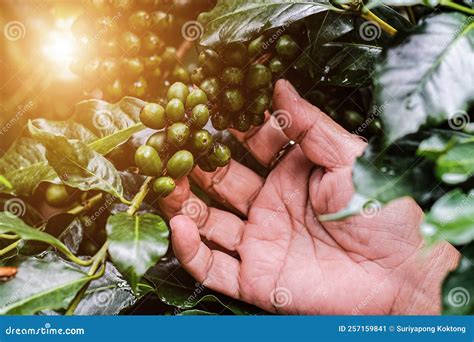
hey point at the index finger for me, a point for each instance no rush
(322, 140)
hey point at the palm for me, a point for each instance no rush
(282, 258)
(292, 263)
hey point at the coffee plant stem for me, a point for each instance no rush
(453, 5)
(140, 196)
(9, 248)
(411, 15)
(370, 16)
(98, 260)
(86, 205)
(9, 237)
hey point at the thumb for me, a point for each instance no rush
(322, 140)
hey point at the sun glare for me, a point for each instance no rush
(59, 48)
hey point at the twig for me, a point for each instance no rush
(140, 196)
(86, 205)
(98, 259)
(453, 5)
(370, 16)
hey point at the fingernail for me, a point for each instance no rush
(292, 89)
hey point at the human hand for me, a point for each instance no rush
(282, 258)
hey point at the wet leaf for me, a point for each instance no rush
(410, 82)
(40, 284)
(136, 243)
(238, 20)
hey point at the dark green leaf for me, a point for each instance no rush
(41, 284)
(451, 219)
(457, 164)
(458, 288)
(66, 227)
(393, 17)
(175, 287)
(22, 210)
(12, 224)
(411, 84)
(131, 183)
(136, 243)
(108, 295)
(345, 64)
(240, 20)
(326, 27)
(78, 165)
(25, 166)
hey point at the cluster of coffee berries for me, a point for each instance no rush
(181, 141)
(127, 48)
(238, 79)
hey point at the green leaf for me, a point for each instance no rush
(108, 295)
(423, 79)
(451, 219)
(458, 288)
(240, 20)
(381, 178)
(399, 3)
(441, 140)
(78, 165)
(114, 123)
(5, 182)
(136, 243)
(457, 164)
(68, 128)
(107, 144)
(25, 166)
(12, 224)
(67, 228)
(41, 284)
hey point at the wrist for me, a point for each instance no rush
(423, 275)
